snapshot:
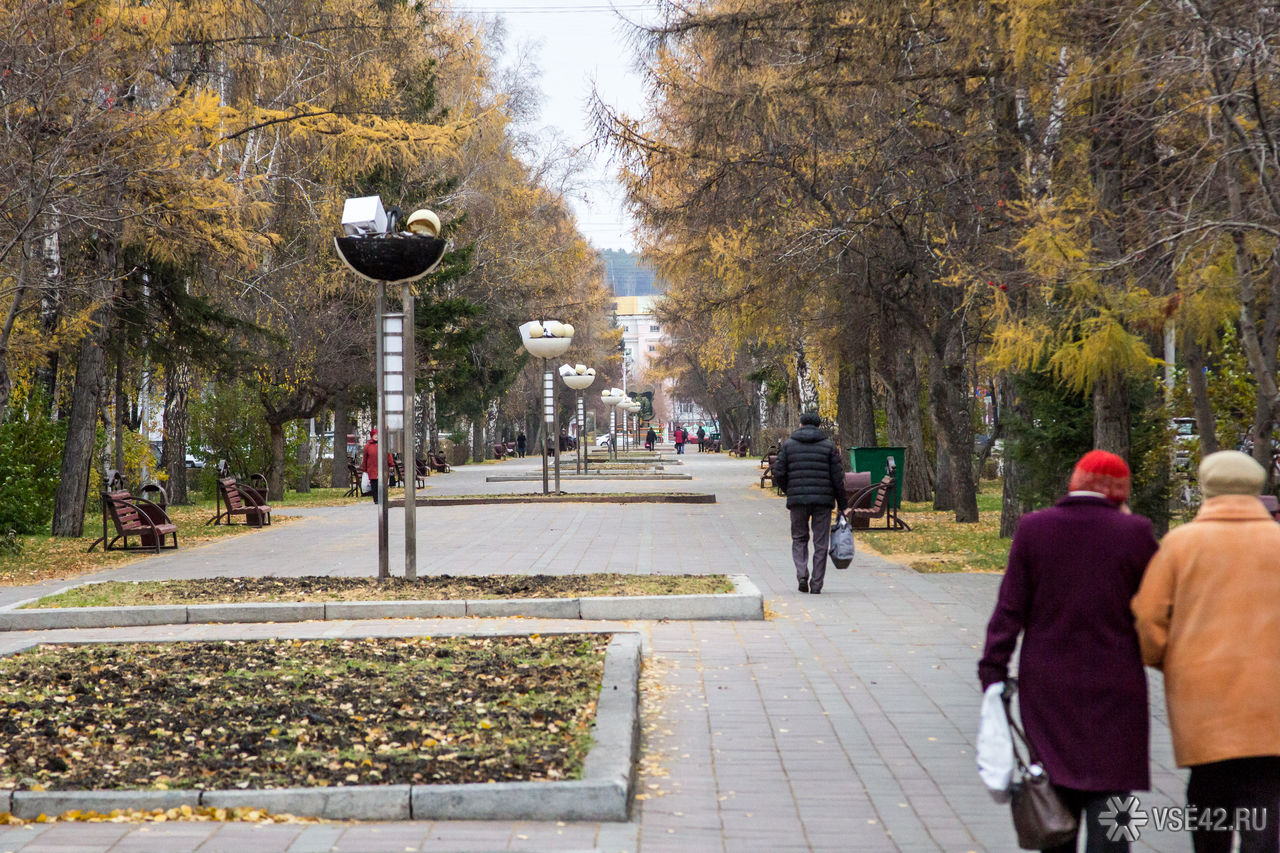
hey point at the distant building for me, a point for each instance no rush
(636, 290)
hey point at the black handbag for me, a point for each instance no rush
(1040, 818)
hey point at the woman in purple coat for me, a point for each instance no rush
(1073, 568)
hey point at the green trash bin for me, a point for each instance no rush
(875, 461)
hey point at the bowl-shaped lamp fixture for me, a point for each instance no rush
(546, 339)
(393, 259)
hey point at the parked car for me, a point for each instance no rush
(602, 440)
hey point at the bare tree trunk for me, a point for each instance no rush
(1206, 421)
(855, 400)
(904, 423)
(1111, 415)
(173, 456)
(117, 431)
(304, 465)
(477, 440)
(275, 479)
(431, 418)
(77, 453)
(944, 488)
(1012, 408)
(341, 426)
(950, 398)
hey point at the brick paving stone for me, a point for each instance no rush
(874, 681)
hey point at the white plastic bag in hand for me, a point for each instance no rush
(995, 745)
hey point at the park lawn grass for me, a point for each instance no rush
(39, 557)
(298, 713)
(51, 557)
(435, 588)
(937, 543)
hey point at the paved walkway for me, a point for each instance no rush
(843, 723)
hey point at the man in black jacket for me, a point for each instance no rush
(809, 473)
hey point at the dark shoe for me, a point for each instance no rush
(804, 585)
(815, 591)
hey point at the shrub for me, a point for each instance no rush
(30, 464)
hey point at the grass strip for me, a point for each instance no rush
(38, 557)
(435, 588)
(938, 543)
(295, 713)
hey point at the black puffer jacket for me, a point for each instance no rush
(808, 470)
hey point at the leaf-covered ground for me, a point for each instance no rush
(434, 588)
(937, 543)
(288, 713)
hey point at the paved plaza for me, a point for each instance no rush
(844, 722)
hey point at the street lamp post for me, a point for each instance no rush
(579, 377)
(544, 340)
(613, 398)
(374, 248)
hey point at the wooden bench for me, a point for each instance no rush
(767, 463)
(438, 463)
(240, 499)
(741, 447)
(875, 502)
(499, 451)
(771, 453)
(137, 517)
(353, 477)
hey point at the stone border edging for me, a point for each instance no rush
(597, 498)
(602, 794)
(623, 475)
(744, 603)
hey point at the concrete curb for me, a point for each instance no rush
(626, 475)
(744, 603)
(603, 794)
(595, 498)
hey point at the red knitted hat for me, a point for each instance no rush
(1103, 472)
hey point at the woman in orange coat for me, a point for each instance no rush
(1208, 615)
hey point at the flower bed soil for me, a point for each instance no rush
(290, 713)
(434, 588)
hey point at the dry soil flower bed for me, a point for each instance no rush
(288, 713)
(434, 588)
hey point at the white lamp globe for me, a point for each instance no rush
(539, 339)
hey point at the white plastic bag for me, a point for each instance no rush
(841, 546)
(995, 745)
(366, 485)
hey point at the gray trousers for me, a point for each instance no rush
(806, 521)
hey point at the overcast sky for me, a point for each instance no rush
(579, 42)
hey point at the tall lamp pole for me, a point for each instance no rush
(613, 397)
(377, 250)
(579, 377)
(544, 340)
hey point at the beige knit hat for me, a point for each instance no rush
(1230, 472)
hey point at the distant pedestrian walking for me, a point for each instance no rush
(1208, 615)
(369, 462)
(1081, 688)
(702, 437)
(522, 444)
(680, 435)
(650, 439)
(808, 471)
